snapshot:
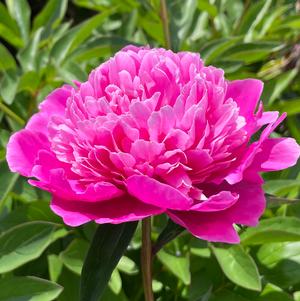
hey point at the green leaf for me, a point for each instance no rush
(259, 17)
(9, 86)
(215, 48)
(9, 36)
(127, 266)
(281, 262)
(280, 187)
(28, 289)
(74, 37)
(7, 60)
(290, 106)
(115, 282)
(7, 181)
(211, 9)
(51, 14)
(238, 266)
(28, 55)
(74, 255)
(251, 15)
(251, 52)
(227, 295)
(55, 266)
(24, 243)
(178, 265)
(274, 293)
(109, 243)
(97, 48)
(171, 231)
(20, 11)
(277, 229)
(281, 83)
(29, 81)
(86, 28)
(7, 20)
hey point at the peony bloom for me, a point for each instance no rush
(153, 132)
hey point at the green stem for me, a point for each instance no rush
(165, 23)
(146, 259)
(11, 114)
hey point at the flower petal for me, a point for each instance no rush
(115, 211)
(155, 193)
(22, 150)
(218, 226)
(277, 154)
(221, 201)
(246, 94)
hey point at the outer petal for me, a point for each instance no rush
(158, 194)
(218, 226)
(247, 158)
(22, 150)
(206, 226)
(246, 94)
(276, 154)
(115, 211)
(55, 102)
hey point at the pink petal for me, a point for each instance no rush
(22, 150)
(206, 226)
(218, 226)
(246, 93)
(55, 102)
(115, 211)
(277, 154)
(221, 201)
(155, 193)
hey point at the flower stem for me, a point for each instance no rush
(165, 23)
(146, 259)
(11, 114)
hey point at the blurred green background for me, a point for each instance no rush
(44, 44)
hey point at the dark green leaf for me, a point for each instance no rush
(171, 231)
(108, 245)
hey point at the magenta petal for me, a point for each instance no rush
(156, 193)
(55, 102)
(250, 206)
(211, 227)
(277, 154)
(22, 150)
(220, 201)
(218, 226)
(115, 211)
(246, 94)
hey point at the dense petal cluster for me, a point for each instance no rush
(153, 132)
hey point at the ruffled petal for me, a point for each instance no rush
(218, 202)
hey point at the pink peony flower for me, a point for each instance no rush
(153, 132)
